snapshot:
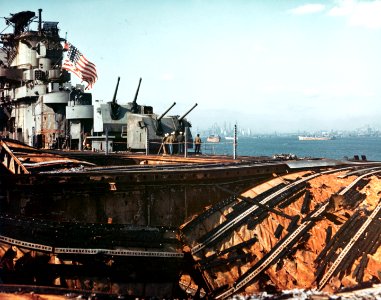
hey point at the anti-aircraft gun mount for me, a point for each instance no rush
(114, 107)
(179, 123)
(158, 126)
(183, 125)
(134, 105)
(129, 126)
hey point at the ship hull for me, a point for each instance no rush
(313, 138)
(213, 138)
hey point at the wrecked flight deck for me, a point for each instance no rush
(108, 223)
(88, 214)
(309, 230)
(131, 225)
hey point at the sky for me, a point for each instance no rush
(283, 66)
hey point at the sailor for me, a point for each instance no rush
(175, 143)
(164, 142)
(180, 141)
(170, 141)
(197, 144)
(86, 145)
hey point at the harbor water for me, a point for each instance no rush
(339, 148)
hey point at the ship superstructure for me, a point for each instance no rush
(38, 105)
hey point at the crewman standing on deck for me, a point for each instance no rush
(197, 144)
(175, 143)
(164, 143)
(180, 140)
(170, 141)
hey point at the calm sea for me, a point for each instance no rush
(268, 146)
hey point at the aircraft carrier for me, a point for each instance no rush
(116, 220)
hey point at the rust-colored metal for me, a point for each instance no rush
(154, 191)
(335, 243)
(19, 158)
(10, 161)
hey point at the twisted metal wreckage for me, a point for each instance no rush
(147, 225)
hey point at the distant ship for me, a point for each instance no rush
(213, 139)
(315, 138)
(229, 138)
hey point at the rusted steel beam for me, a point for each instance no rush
(256, 207)
(348, 247)
(250, 201)
(87, 239)
(224, 261)
(10, 161)
(278, 251)
(245, 244)
(335, 242)
(205, 214)
(306, 203)
(359, 226)
(48, 290)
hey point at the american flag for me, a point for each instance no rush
(76, 63)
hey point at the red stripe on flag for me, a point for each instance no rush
(76, 63)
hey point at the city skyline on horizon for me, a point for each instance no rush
(228, 129)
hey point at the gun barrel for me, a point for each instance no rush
(184, 115)
(116, 91)
(164, 113)
(39, 19)
(137, 91)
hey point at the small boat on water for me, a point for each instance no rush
(213, 138)
(315, 138)
(229, 137)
